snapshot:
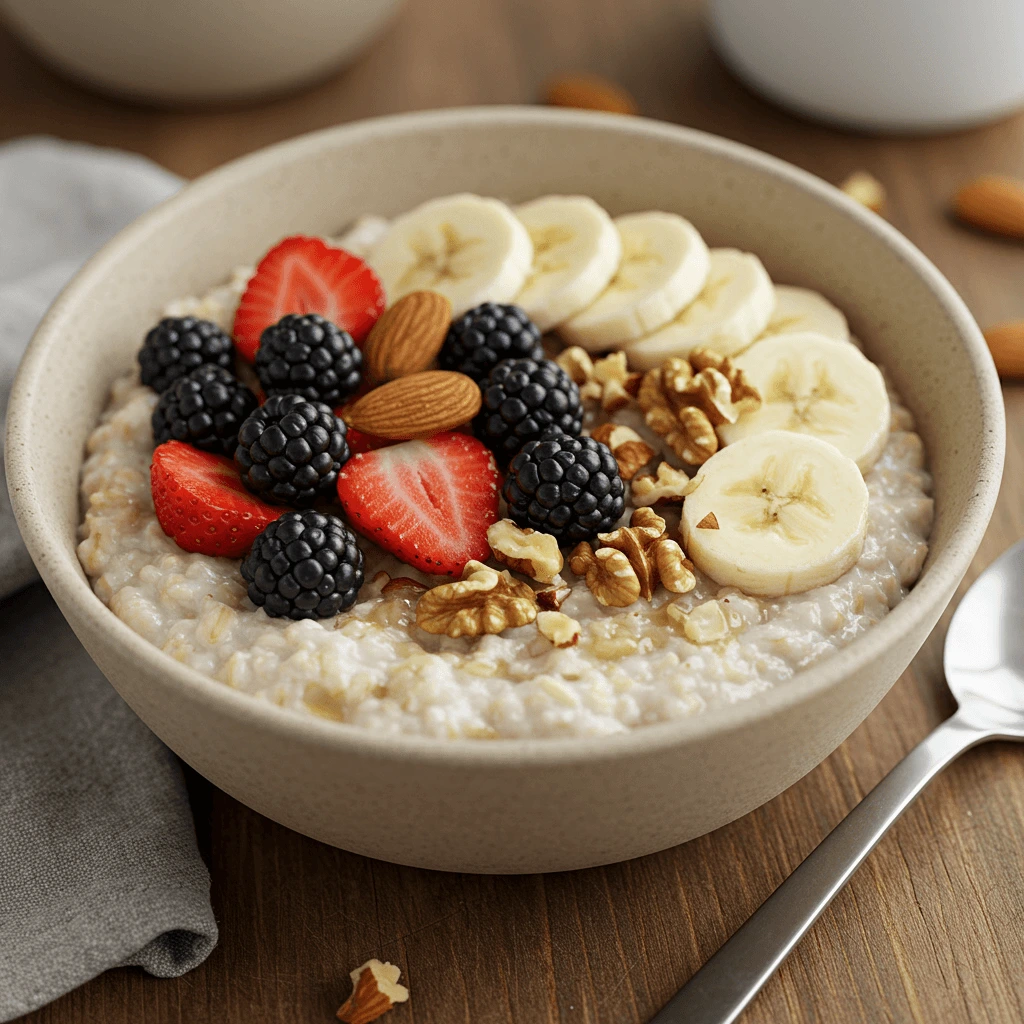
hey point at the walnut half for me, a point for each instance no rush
(483, 601)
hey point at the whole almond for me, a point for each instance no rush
(992, 202)
(417, 405)
(407, 336)
(589, 92)
(1006, 343)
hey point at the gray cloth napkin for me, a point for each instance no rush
(98, 859)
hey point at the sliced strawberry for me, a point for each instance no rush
(201, 502)
(306, 275)
(427, 502)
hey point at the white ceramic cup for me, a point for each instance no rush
(888, 65)
(170, 51)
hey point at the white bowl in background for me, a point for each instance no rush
(191, 51)
(878, 65)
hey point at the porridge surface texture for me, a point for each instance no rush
(373, 668)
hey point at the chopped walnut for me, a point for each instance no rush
(866, 189)
(647, 546)
(560, 629)
(607, 381)
(669, 487)
(577, 363)
(631, 451)
(552, 598)
(375, 990)
(483, 601)
(610, 577)
(684, 407)
(524, 550)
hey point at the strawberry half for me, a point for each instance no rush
(202, 504)
(306, 275)
(427, 502)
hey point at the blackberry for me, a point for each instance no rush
(205, 409)
(521, 399)
(290, 450)
(304, 566)
(309, 356)
(566, 486)
(483, 337)
(179, 344)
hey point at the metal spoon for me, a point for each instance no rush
(984, 665)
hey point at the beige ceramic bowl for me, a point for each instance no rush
(510, 805)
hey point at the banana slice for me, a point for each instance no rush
(776, 513)
(818, 386)
(363, 235)
(731, 311)
(576, 251)
(465, 247)
(799, 309)
(663, 268)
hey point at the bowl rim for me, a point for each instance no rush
(62, 573)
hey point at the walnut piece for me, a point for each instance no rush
(483, 601)
(866, 189)
(684, 406)
(648, 547)
(668, 487)
(375, 990)
(552, 598)
(610, 577)
(560, 629)
(524, 550)
(607, 381)
(631, 451)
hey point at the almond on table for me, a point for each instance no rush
(589, 92)
(1006, 343)
(993, 202)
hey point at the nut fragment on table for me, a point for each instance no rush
(667, 487)
(483, 601)
(589, 92)
(866, 189)
(610, 577)
(375, 990)
(524, 550)
(631, 451)
(561, 630)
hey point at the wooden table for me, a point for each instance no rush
(932, 927)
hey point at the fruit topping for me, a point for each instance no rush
(306, 275)
(566, 486)
(483, 337)
(177, 345)
(201, 503)
(290, 450)
(304, 565)
(309, 356)
(428, 502)
(521, 399)
(205, 409)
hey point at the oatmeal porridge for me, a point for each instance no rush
(681, 485)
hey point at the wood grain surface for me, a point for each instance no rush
(932, 927)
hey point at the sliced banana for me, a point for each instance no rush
(465, 247)
(730, 312)
(818, 386)
(799, 309)
(363, 235)
(576, 251)
(776, 513)
(664, 267)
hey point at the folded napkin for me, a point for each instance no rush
(98, 860)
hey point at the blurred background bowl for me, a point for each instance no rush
(878, 65)
(196, 51)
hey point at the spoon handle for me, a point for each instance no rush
(719, 991)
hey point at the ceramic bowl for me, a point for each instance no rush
(196, 51)
(509, 805)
